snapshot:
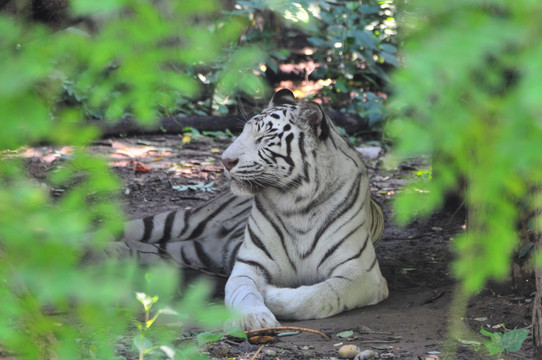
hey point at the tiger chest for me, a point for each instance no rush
(292, 264)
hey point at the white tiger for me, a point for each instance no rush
(297, 235)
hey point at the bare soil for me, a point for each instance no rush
(410, 324)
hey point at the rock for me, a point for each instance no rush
(348, 351)
(369, 152)
(366, 354)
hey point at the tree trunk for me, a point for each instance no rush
(537, 304)
(352, 124)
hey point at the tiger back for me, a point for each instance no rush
(297, 231)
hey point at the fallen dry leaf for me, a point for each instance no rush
(140, 167)
(262, 339)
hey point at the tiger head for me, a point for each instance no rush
(274, 147)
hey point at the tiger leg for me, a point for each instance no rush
(351, 287)
(245, 298)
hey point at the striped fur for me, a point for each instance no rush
(296, 233)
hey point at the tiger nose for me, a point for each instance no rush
(229, 163)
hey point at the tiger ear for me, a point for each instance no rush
(283, 96)
(312, 114)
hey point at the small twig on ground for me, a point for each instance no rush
(375, 332)
(257, 352)
(291, 328)
(377, 341)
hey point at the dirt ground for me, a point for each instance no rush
(410, 324)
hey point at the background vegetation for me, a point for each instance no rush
(351, 43)
(469, 94)
(471, 98)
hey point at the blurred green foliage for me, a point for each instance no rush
(138, 60)
(354, 43)
(470, 94)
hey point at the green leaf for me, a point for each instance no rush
(316, 41)
(388, 48)
(236, 332)
(206, 337)
(494, 347)
(142, 344)
(85, 7)
(146, 300)
(513, 339)
(525, 249)
(365, 39)
(345, 334)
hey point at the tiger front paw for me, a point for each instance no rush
(254, 318)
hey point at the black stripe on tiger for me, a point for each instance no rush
(260, 208)
(203, 223)
(274, 155)
(148, 226)
(266, 274)
(186, 216)
(233, 255)
(184, 258)
(318, 200)
(342, 277)
(333, 142)
(339, 243)
(204, 258)
(231, 248)
(301, 146)
(258, 242)
(225, 230)
(166, 236)
(372, 265)
(337, 296)
(336, 213)
(350, 258)
(355, 161)
(353, 216)
(243, 203)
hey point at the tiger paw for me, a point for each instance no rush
(253, 318)
(281, 302)
(296, 304)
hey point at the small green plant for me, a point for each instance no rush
(423, 174)
(142, 343)
(510, 341)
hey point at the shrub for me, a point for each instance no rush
(54, 305)
(354, 44)
(470, 94)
